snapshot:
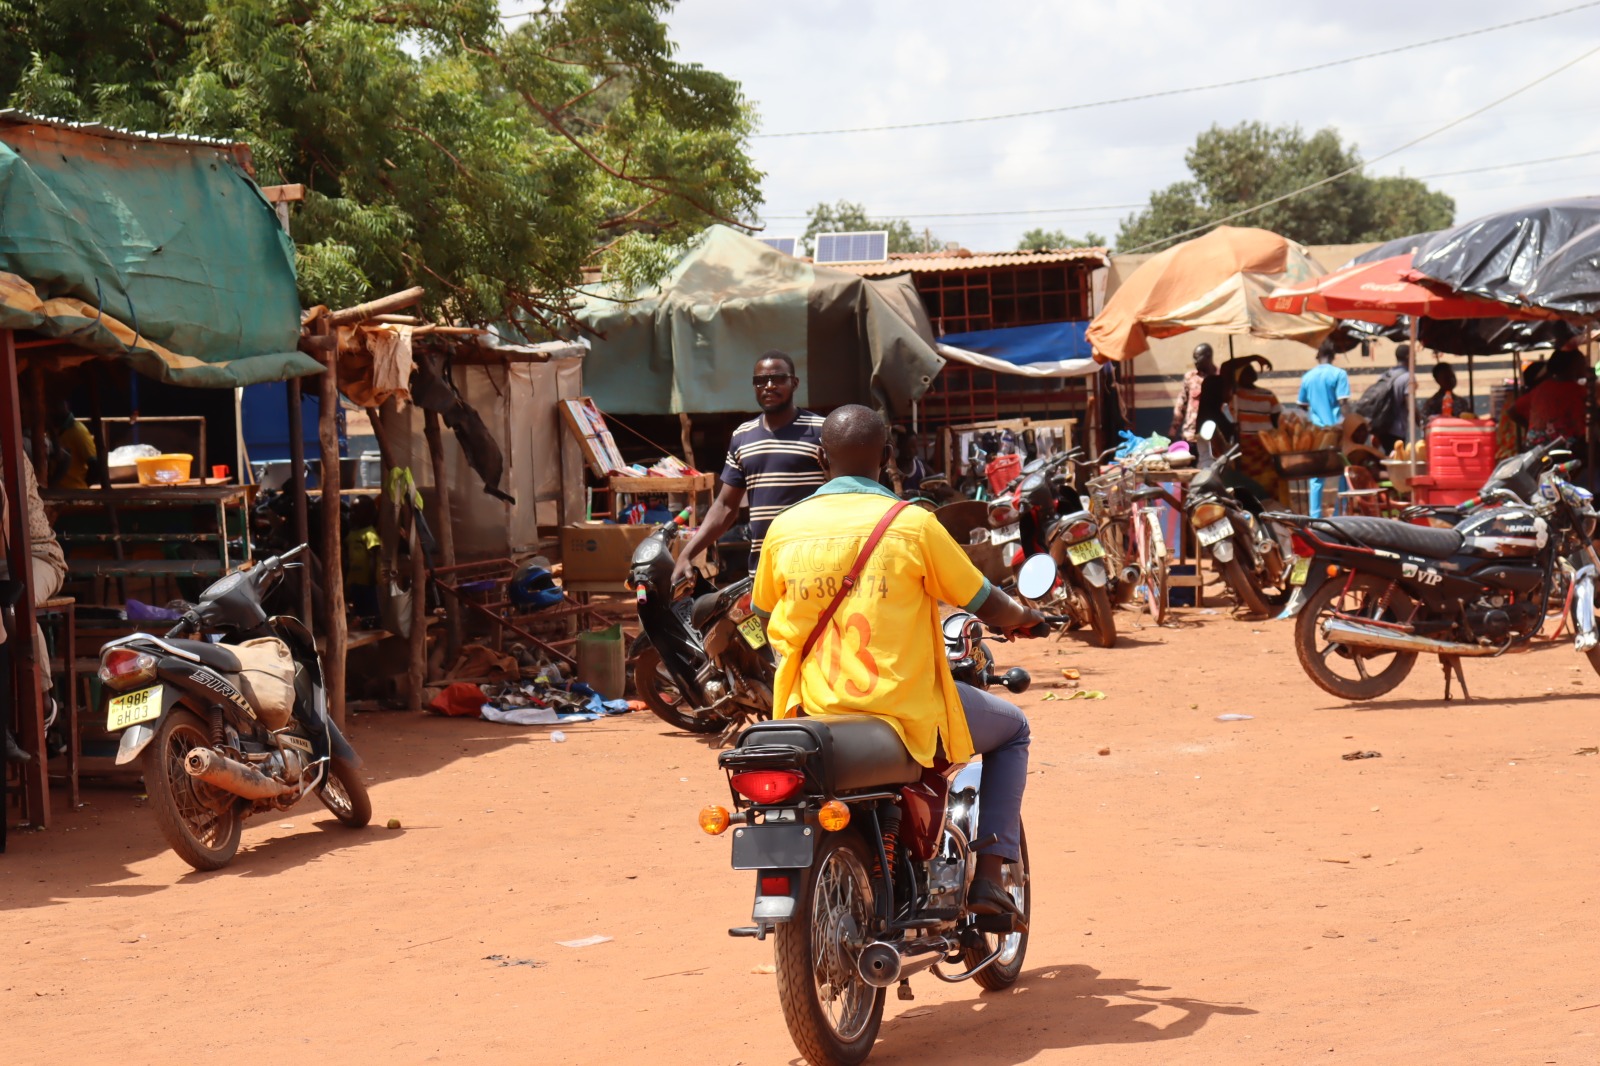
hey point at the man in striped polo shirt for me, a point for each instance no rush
(775, 459)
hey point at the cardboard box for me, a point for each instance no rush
(598, 553)
(990, 560)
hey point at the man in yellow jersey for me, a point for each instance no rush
(883, 652)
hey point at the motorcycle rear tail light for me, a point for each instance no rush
(774, 886)
(1080, 531)
(767, 786)
(1208, 513)
(1301, 546)
(124, 668)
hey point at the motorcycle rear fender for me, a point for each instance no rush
(1222, 551)
(1316, 577)
(769, 910)
(1094, 572)
(135, 738)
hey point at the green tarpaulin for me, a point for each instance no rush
(158, 250)
(689, 345)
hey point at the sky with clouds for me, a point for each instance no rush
(827, 64)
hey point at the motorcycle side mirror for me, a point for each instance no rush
(1037, 577)
(1208, 430)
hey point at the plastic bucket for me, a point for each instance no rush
(602, 662)
(164, 469)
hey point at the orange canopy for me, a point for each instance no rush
(1214, 282)
(1383, 290)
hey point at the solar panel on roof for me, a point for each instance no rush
(786, 245)
(871, 246)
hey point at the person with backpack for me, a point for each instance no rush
(1384, 402)
(1323, 392)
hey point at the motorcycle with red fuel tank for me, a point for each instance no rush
(863, 859)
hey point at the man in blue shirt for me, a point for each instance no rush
(1324, 391)
(776, 459)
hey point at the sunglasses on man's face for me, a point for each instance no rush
(762, 380)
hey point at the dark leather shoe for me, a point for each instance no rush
(986, 897)
(14, 752)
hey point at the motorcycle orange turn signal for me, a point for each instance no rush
(1333, 570)
(833, 816)
(714, 820)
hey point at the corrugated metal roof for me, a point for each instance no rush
(961, 259)
(13, 117)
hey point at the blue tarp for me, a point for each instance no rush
(1021, 345)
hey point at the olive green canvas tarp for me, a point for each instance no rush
(689, 345)
(158, 250)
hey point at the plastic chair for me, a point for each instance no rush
(1365, 496)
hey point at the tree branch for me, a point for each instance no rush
(622, 220)
(460, 166)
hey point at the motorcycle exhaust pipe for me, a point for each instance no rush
(204, 764)
(1363, 636)
(1130, 575)
(881, 964)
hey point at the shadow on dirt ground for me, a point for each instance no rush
(1051, 1007)
(89, 852)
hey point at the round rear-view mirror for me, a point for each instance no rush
(1037, 577)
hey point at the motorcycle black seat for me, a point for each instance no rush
(862, 751)
(1429, 541)
(213, 655)
(704, 607)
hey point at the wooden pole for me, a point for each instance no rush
(27, 692)
(297, 482)
(41, 443)
(443, 529)
(383, 305)
(419, 614)
(334, 628)
(685, 428)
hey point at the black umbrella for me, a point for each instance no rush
(1568, 280)
(1497, 256)
(1390, 249)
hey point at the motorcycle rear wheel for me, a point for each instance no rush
(832, 1013)
(1003, 972)
(345, 794)
(1379, 671)
(1244, 589)
(659, 691)
(1102, 617)
(199, 822)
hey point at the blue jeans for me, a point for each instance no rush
(1000, 734)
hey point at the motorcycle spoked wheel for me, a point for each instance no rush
(201, 823)
(1103, 618)
(832, 1013)
(1013, 947)
(345, 794)
(1377, 672)
(659, 691)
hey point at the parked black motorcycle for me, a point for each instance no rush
(229, 730)
(1051, 519)
(1376, 592)
(863, 859)
(1225, 511)
(702, 663)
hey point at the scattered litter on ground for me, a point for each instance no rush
(1087, 694)
(285, 825)
(1345, 861)
(1048, 696)
(586, 942)
(1104, 751)
(1236, 717)
(540, 701)
(1587, 751)
(558, 737)
(1070, 673)
(507, 960)
(1351, 756)
(765, 967)
(1332, 934)
(696, 972)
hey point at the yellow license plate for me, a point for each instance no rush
(1083, 551)
(754, 631)
(1302, 568)
(133, 708)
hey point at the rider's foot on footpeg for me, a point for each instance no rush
(986, 897)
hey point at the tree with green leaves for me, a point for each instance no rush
(847, 217)
(1248, 164)
(1040, 239)
(489, 161)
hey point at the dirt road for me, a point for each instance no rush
(1208, 892)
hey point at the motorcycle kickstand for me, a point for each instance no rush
(1453, 663)
(904, 991)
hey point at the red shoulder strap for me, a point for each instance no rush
(850, 579)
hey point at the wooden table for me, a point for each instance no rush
(691, 486)
(232, 550)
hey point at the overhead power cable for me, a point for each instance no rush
(1189, 89)
(1345, 173)
(978, 214)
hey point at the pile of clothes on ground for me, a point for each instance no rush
(525, 694)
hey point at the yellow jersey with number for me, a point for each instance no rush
(883, 652)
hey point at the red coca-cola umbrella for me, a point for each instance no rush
(1384, 290)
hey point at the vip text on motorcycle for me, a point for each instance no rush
(702, 663)
(877, 852)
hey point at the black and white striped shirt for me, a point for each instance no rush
(776, 470)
